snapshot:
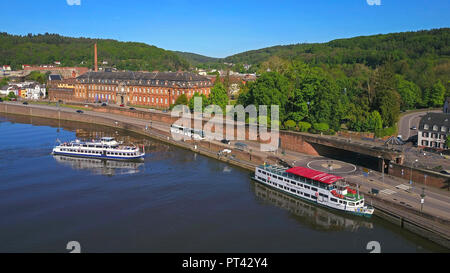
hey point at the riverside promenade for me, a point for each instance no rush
(397, 204)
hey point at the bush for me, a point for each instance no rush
(290, 124)
(304, 126)
(390, 131)
(321, 127)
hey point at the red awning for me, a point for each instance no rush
(314, 175)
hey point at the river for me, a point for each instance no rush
(175, 201)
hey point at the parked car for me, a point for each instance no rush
(25, 103)
(1, 100)
(445, 172)
(104, 104)
(225, 141)
(80, 112)
(414, 128)
(13, 99)
(132, 108)
(122, 105)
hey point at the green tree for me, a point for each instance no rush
(290, 124)
(181, 100)
(219, 96)
(11, 95)
(387, 100)
(4, 81)
(321, 127)
(270, 88)
(409, 93)
(205, 101)
(447, 142)
(304, 126)
(436, 95)
(374, 121)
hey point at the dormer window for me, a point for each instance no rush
(435, 128)
(426, 127)
(443, 129)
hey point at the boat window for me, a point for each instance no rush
(313, 197)
(307, 187)
(333, 199)
(307, 195)
(313, 189)
(351, 204)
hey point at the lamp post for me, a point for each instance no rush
(382, 167)
(422, 199)
(410, 173)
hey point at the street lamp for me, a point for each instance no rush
(382, 166)
(422, 199)
(410, 178)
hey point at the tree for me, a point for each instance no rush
(11, 95)
(387, 100)
(321, 127)
(290, 124)
(447, 142)
(409, 93)
(436, 95)
(4, 81)
(304, 126)
(204, 101)
(271, 88)
(374, 121)
(219, 96)
(181, 100)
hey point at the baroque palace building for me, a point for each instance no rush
(155, 89)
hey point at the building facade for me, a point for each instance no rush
(154, 89)
(433, 130)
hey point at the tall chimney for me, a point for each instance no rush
(95, 56)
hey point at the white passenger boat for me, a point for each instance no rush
(105, 148)
(321, 188)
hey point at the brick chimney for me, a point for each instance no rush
(95, 56)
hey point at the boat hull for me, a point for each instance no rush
(101, 156)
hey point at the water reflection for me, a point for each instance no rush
(316, 217)
(99, 166)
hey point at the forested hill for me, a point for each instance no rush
(369, 50)
(47, 48)
(196, 59)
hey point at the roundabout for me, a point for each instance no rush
(332, 166)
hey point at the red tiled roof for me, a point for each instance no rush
(314, 175)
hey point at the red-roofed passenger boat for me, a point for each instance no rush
(321, 188)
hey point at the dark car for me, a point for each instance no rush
(80, 112)
(25, 103)
(414, 128)
(225, 141)
(132, 108)
(1, 100)
(104, 104)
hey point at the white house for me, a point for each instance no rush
(35, 91)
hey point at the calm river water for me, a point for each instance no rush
(176, 201)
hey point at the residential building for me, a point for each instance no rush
(433, 130)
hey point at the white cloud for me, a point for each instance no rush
(74, 2)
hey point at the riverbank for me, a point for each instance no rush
(425, 225)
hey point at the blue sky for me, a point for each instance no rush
(221, 28)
